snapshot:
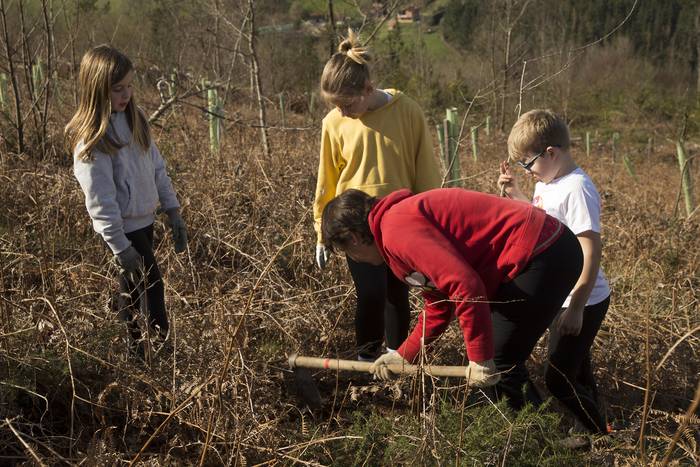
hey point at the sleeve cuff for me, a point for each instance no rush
(409, 350)
(119, 244)
(480, 353)
(170, 206)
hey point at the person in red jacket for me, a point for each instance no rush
(501, 267)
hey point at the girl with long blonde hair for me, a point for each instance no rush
(124, 179)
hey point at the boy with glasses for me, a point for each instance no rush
(539, 143)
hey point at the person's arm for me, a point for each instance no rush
(572, 318)
(422, 247)
(432, 322)
(168, 200)
(96, 178)
(328, 174)
(166, 192)
(428, 174)
(582, 212)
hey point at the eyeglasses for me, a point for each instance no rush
(528, 165)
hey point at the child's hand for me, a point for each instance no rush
(129, 260)
(506, 180)
(507, 183)
(179, 230)
(570, 321)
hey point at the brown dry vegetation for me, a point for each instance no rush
(246, 295)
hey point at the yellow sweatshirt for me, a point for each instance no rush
(382, 151)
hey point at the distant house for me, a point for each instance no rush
(408, 15)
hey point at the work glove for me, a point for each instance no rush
(481, 374)
(130, 261)
(380, 369)
(322, 255)
(177, 225)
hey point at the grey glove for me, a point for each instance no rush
(322, 255)
(177, 224)
(129, 260)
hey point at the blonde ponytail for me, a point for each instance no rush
(354, 51)
(346, 73)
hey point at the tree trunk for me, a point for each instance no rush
(73, 32)
(331, 32)
(494, 79)
(217, 48)
(256, 80)
(697, 52)
(28, 68)
(19, 121)
(236, 53)
(47, 12)
(510, 22)
(504, 83)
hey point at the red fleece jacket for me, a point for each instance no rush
(458, 246)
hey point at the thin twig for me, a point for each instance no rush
(24, 443)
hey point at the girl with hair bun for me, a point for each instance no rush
(377, 141)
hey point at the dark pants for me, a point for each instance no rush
(568, 372)
(154, 300)
(382, 308)
(523, 309)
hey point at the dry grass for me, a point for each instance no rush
(246, 295)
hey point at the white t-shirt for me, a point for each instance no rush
(574, 200)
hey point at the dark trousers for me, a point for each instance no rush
(382, 308)
(523, 309)
(153, 301)
(568, 372)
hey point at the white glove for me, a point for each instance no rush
(322, 255)
(380, 369)
(481, 374)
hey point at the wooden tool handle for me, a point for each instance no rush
(356, 365)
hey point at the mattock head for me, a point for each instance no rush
(305, 385)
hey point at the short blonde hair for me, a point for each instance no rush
(534, 131)
(347, 72)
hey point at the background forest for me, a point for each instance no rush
(231, 89)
